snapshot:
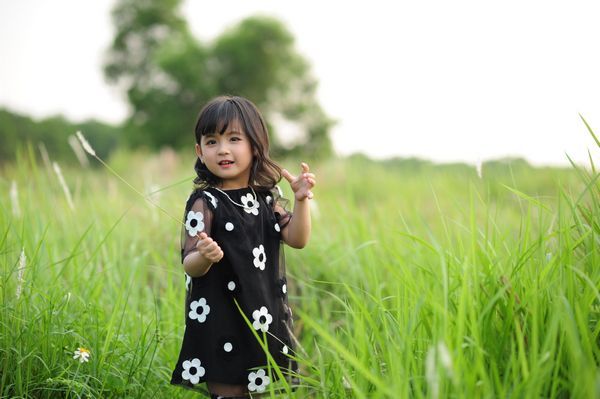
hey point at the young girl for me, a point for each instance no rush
(235, 220)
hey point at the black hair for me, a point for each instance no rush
(215, 117)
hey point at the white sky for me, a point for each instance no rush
(442, 80)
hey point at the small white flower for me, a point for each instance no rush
(250, 203)
(269, 199)
(259, 257)
(82, 354)
(285, 349)
(213, 200)
(258, 381)
(194, 223)
(228, 347)
(262, 319)
(277, 228)
(201, 303)
(284, 288)
(231, 285)
(192, 370)
(229, 226)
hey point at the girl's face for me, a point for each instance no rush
(228, 156)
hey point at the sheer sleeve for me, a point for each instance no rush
(197, 218)
(280, 207)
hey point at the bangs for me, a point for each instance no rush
(217, 117)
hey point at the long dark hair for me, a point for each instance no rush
(219, 113)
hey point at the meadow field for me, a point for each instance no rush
(420, 280)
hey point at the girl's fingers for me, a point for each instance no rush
(305, 167)
(215, 254)
(287, 175)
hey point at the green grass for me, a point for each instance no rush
(418, 282)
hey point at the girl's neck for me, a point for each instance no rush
(232, 186)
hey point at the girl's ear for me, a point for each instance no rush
(199, 151)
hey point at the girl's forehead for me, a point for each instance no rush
(225, 126)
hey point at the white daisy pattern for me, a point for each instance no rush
(229, 226)
(262, 319)
(194, 315)
(260, 258)
(192, 371)
(194, 223)
(212, 198)
(269, 199)
(258, 381)
(277, 228)
(250, 203)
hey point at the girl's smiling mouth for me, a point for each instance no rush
(225, 163)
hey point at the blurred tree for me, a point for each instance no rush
(18, 131)
(168, 75)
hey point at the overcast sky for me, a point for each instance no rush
(443, 80)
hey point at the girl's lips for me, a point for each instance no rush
(225, 164)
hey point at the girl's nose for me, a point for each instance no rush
(223, 149)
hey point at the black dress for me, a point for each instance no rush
(218, 344)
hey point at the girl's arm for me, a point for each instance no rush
(297, 232)
(198, 263)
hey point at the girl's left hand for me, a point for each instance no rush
(302, 183)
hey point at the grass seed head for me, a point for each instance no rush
(86, 146)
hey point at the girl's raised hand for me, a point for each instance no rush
(209, 248)
(302, 183)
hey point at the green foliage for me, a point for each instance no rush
(19, 132)
(168, 75)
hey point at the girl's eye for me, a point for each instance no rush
(209, 142)
(234, 138)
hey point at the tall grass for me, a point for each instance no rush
(424, 283)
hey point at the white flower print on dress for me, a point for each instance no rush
(201, 317)
(251, 204)
(213, 200)
(260, 258)
(258, 381)
(269, 199)
(277, 228)
(188, 281)
(192, 371)
(194, 223)
(262, 319)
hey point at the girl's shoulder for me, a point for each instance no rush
(201, 194)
